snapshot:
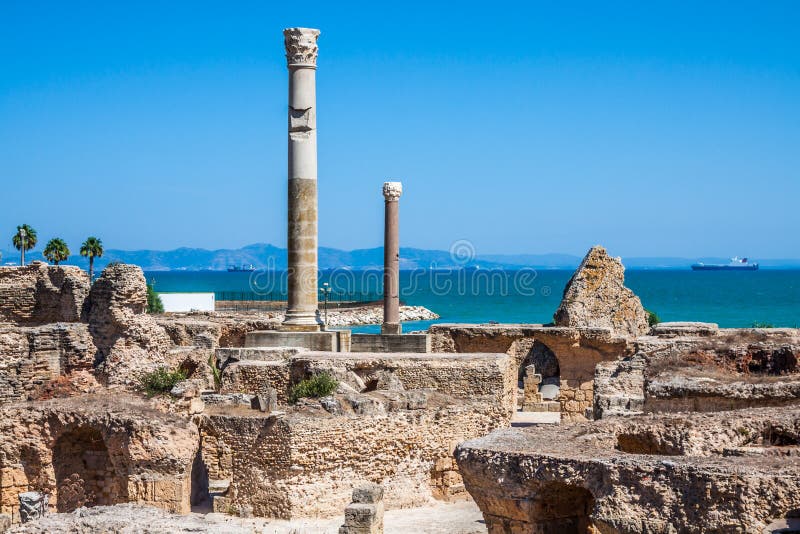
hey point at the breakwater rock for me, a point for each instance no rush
(374, 315)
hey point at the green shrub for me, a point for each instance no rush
(160, 381)
(759, 324)
(212, 362)
(154, 304)
(652, 318)
(320, 385)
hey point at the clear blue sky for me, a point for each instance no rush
(654, 128)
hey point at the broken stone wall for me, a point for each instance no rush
(95, 450)
(39, 294)
(30, 357)
(462, 376)
(394, 420)
(596, 297)
(698, 367)
(129, 341)
(577, 351)
(305, 466)
(727, 472)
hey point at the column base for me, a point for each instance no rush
(391, 328)
(302, 322)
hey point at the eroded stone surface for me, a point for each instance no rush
(654, 474)
(128, 340)
(394, 421)
(596, 296)
(96, 449)
(697, 367)
(39, 294)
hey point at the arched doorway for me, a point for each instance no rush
(544, 360)
(85, 475)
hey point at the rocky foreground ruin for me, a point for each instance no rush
(678, 427)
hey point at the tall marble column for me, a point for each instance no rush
(301, 57)
(391, 259)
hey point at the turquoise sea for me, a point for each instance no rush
(731, 299)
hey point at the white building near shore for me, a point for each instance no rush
(186, 302)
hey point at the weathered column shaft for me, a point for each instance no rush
(301, 57)
(391, 259)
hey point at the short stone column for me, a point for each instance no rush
(531, 382)
(301, 58)
(365, 514)
(391, 258)
(32, 505)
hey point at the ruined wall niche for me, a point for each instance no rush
(85, 474)
(545, 361)
(560, 508)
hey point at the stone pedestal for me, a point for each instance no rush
(365, 514)
(301, 57)
(391, 258)
(327, 341)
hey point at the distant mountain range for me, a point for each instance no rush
(265, 256)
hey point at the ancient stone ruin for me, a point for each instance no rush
(597, 423)
(596, 296)
(231, 438)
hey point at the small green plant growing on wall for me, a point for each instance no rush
(759, 324)
(317, 386)
(161, 381)
(154, 304)
(652, 318)
(212, 363)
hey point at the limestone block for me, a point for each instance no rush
(364, 405)
(596, 296)
(331, 405)
(196, 406)
(187, 389)
(32, 505)
(267, 400)
(444, 464)
(363, 515)
(368, 494)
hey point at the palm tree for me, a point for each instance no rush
(56, 250)
(92, 248)
(24, 240)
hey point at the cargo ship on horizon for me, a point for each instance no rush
(736, 264)
(241, 268)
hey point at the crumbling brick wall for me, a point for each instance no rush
(39, 294)
(32, 356)
(306, 466)
(578, 351)
(128, 453)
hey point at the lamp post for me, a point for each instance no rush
(23, 234)
(326, 290)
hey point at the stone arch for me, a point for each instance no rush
(84, 471)
(545, 361)
(561, 508)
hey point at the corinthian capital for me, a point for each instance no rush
(392, 190)
(301, 46)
